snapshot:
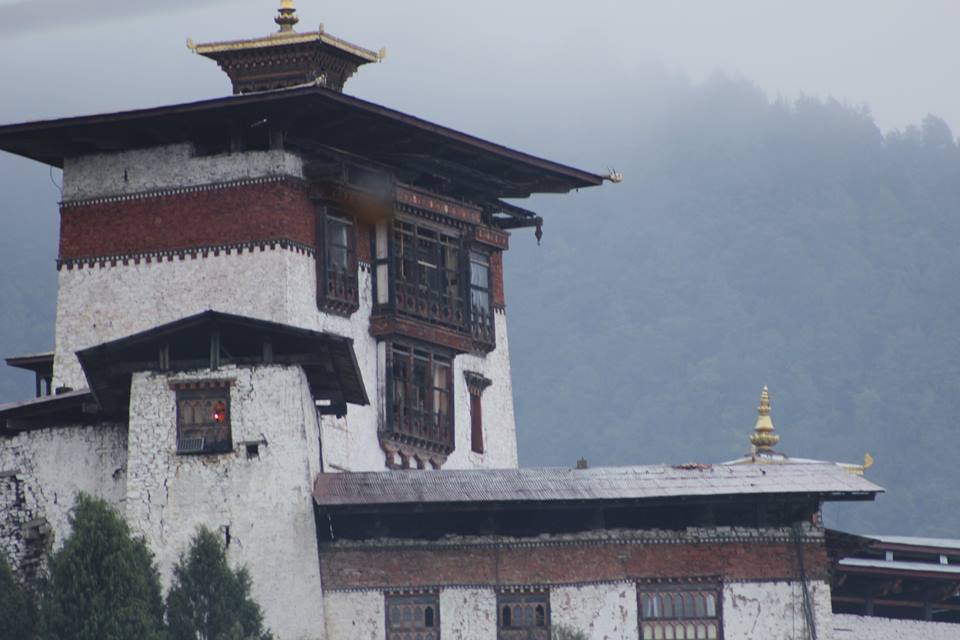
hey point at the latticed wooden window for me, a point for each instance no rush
(421, 386)
(680, 612)
(203, 417)
(337, 284)
(428, 274)
(523, 616)
(481, 315)
(413, 617)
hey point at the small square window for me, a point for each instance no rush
(413, 616)
(203, 417)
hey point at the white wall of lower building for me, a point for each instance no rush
(606, 611)
(265, 501)
(355, 615)
(56, 464)
(603, 611)
(468, 614)
(774, 610)
(848, 627)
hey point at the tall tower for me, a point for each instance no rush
(296, 203)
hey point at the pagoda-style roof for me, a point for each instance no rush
(287, 58)
(316, 122)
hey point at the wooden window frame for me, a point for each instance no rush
(675, 609)
(412, 410)
(510, 601)
(481, 316)
(414, 602)
(425, 282)
(476, 384)
(337, 288)
(214, 392)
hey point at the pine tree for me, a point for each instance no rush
(16, 607)
(210, 601)
(103, 584)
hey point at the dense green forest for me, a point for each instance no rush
(752, 242)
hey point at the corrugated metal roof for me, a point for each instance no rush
(601, 483)
(896, 565)
(936, 543)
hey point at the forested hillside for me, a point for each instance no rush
(755, 242)
(752, 242)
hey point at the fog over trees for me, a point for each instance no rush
(754, 241)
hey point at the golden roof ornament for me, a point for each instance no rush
(287, 58)
(285, 16)
(763, 438)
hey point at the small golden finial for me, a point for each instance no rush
(285, 17)
(763, 438)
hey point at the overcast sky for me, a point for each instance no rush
(472, 64)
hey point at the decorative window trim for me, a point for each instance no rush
(337, 286)
(194, 439)
(523, 613)
(682, 609)
(476, 384)
(410, 438)
(414, 601)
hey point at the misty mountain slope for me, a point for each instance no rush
(754, 243)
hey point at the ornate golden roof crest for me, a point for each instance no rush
(763, 438)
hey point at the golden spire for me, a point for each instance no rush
(763, 437)
(285, 17)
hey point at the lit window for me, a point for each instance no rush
(203, 417)
(413, 617)
(523, 615)
(679, 612)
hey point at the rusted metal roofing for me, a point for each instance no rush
(828, 481)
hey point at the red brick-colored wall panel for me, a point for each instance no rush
(226, 215)
(364, 230)
(496, 278)
(489, 565)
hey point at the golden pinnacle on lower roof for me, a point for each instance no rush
(763, 437)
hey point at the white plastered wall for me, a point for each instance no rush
(848, 627)
(355, 615)
(168, 167)
(265, 500)
(56, 464)
(774, 610)
(602, 611)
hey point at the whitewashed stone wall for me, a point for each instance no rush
(265, 501)
(499, 427)
(847, 627)
(774, 610)
(357, 615)
(468, 614)
(751, 611)
(56, 464)
(99, 304)
(607, 611)
(169, 167)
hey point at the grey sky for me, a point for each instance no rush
(483, 65)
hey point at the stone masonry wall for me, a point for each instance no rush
(41, 473)
(260, 504)
(607, 611)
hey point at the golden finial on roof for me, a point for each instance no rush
(285, 17)
(763, 437)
